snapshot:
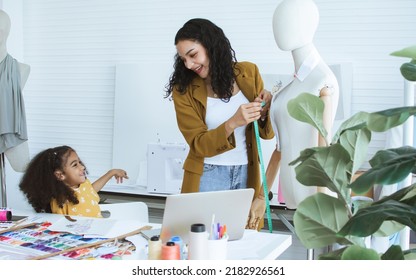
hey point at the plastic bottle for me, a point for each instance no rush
(155, 248)
(198, 241)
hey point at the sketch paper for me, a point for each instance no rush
(84, 226)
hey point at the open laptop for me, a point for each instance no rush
(231, 208)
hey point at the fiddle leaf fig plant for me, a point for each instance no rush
(321, 219)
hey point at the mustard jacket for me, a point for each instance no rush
(190, 110)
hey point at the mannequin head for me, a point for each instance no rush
(295, 23)
(4, 27)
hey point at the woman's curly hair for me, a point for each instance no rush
(40, 184)
(219, 51)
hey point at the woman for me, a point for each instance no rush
(217, 99)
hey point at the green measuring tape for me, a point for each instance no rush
(263, 173)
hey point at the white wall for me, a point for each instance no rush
(73, 47)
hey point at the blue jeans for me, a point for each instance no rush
(221, 177)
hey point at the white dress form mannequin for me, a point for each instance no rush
(18, 156)
(294, 26)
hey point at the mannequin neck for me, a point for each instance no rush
(301, 54)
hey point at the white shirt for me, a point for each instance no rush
(217, 113)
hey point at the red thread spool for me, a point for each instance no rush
(171, 251)
(5, 215)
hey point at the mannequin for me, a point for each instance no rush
(17, 153)
(294, 26)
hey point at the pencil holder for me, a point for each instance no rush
(217, 248)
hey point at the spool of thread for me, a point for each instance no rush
(170, 251)
(5, 215)
(155, 248)
(198, 242)
(178, 240)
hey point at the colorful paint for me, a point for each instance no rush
(43, 240)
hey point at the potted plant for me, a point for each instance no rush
(322, 220)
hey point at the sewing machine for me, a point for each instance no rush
(164, 167)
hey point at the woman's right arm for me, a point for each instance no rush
(245, 114)
(191, 123)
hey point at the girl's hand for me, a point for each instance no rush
(119, 174)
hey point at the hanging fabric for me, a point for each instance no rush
(13, 129)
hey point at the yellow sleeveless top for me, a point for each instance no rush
(87, 206)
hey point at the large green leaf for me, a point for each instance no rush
(386, 155)
(328, 167)
(393, 253)
(332, 255)
(388, 228)
(368, 220)
(385, 173)
(356, 143)
(410, 254)
(308, 108)
(408, 70)
(305, 154)
(384, 120)
(406, 52)
(355, 252)
(357, 121)
(317, 220)
(405, 195)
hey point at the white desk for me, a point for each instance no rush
(253, 244)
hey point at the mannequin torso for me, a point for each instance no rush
(312, 75)
(18, 156)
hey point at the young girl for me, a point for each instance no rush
(55, 182)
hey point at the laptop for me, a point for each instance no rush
(230, 208)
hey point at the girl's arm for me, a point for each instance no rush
(119, 174)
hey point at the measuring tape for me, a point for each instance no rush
(263, 173)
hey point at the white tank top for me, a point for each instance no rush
(217, 113)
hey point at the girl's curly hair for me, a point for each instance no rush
(40, 184)
(219, 51)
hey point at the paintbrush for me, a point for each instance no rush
(92, 244)
(16, 227)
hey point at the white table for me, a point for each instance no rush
(253, 244)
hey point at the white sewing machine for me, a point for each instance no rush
(164, 167)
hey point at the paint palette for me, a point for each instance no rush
(39, 240)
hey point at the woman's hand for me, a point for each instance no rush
(264, 97)
(246, 113)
